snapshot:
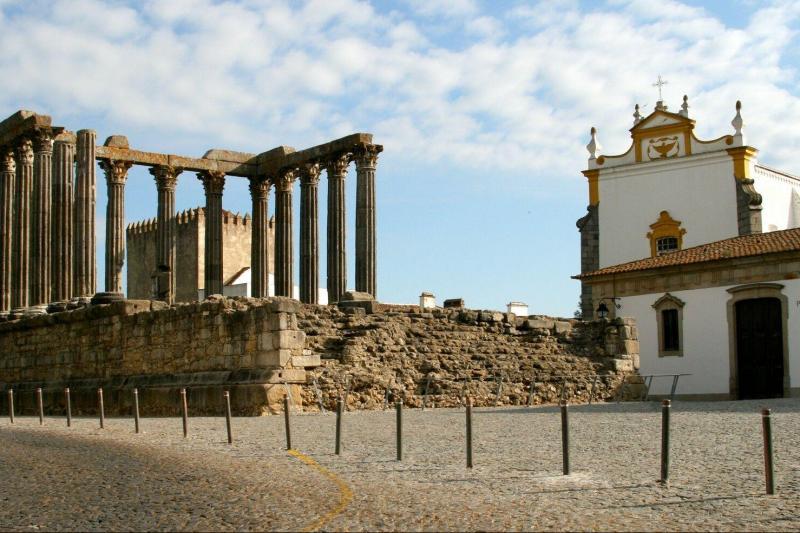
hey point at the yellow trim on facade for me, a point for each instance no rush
(594, 188)
(665, 226)
(742, 156)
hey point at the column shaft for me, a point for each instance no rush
(213, 183)
(116, 174)
(63, 209)
(22, 225)
(41, 234)
(8, 173)
(337, 256)
(259, 238)
(284, 253)
(366, 160)
(166, 178)
(84, 239)
(309, 234)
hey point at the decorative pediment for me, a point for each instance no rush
(660, 118)
(665, 227)
(668, 299)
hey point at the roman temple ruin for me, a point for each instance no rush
(47, 215)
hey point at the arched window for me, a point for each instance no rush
(669, 316)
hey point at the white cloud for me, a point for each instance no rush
(519, 95)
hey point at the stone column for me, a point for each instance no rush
(8, 172)
(41, 235)
(284, 253)
(337, 257)
(63, 209)
(309, 234)
(366, 160)
(84, 239)
(22, 225)
(166, 179)
(259, 237)
(116, 175)
(213, 183)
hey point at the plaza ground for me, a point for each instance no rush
(91, 479)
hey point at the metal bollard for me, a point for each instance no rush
(286, 422)
(399, 408)
(69, 407)
(469, 432)
(185, 413)
(102, 408)
(136, 409)
(665, 407)
(565, 437)
(11, 405)
(40, 403)
(769, 466)
(228, 416)
(339, 409)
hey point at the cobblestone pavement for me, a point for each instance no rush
(85, 478)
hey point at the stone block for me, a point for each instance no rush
(562, 328)
(453, 303)
(539, 323)
(631, 347)
(304, 361)
(355, 296)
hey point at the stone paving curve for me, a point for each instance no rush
(84, 478)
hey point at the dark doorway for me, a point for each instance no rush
(759, 348)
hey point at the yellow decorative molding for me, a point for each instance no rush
(742, 155)
(683, 127)
(594, 190)
(665, 226)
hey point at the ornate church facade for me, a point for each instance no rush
(700, 243)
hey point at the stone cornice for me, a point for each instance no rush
(736, 271)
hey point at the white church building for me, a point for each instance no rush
(700, 244)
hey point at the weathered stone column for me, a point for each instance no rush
(259, 238)
(166, 178)
(284, 253)
(63, 209)
(41, 235)
(22, 225)
(84, 239)
(337, 256)
(8, 172)
(213, 183)
(309, 234)
(116, 175)
(366, 160)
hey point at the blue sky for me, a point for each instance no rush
(483, 108)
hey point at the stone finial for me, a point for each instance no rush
(738, 123)
(684, 112)
(660, 106)
(593, 146)
(637, 117)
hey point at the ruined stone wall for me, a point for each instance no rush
(463, 352)
(243, 345)
(262, 349)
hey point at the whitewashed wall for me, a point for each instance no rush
(705, 339)
(698, 190)
(776, 191)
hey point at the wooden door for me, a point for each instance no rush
(759, 348)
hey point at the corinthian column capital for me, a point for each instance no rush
(25, 152)
(259, 187)
(338, 165)
(309, 174)
(116, 171)
(284, 180)
(166, 176)
(8, 163)
(213, 181)
(43, 141)
(366, 156)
